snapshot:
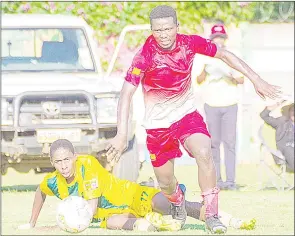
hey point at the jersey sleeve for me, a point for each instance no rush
(138, 67)
(44, 187)
(96, 178)
(203, 46)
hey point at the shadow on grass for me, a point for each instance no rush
(19, 188)
(185, 227)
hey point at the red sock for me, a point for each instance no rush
(210, 198)
(177, 197)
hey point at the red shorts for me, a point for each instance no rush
(163, 144)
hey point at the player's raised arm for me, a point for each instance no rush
(135, 73)
(263, 89)
(37, 206)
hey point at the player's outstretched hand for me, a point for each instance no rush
(25, 226)
(115, 148)
(264, 89)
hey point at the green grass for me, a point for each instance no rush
(273, 210)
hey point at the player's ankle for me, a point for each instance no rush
(210, 198)
(177, 197)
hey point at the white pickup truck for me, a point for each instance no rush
(53, 86)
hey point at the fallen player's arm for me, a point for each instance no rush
(262, 87)
(93, 204)
(37, 206)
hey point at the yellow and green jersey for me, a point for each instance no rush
(91, 180)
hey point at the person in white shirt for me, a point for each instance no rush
(220, 97)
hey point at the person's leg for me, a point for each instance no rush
(164, 147)
(196, 210)
(199, 145)
(195, 138)
(143, 206)
(128, 222)
(228, 137)
(171, 190)
(161, 205)
(288, 153)
(213, 119)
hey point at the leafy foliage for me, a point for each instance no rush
(109, 18)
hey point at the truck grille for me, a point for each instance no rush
(58, 109)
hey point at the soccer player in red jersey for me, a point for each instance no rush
(163, 67)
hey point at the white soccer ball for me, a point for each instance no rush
(74, 214)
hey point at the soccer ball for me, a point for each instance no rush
(74, 214)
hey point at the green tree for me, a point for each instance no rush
(109, 18)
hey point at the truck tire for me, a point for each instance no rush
(129, 164)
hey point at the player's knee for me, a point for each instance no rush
(204, 158)
(167, 183)
(203, 154)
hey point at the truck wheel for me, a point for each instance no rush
(129, 164)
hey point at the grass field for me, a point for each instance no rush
(273, 210)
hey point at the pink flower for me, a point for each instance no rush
(81, 11)
(70, 7)
(46, 7)
(106, 3)
(52, 6)
(26, 7)
(243, 4)
(120, 6)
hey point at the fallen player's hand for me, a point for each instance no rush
(264, 89)
(25, 226)
(115, 148)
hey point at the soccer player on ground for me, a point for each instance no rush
(163, 67)
(116, 203)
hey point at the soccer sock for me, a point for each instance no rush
(129, 225)
(177, 197)
(193, 209)
(141, 224)
(210, 198)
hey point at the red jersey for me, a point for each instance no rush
(166, 78)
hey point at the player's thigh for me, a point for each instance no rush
(199, 146)
(143, 200)
(193, 135)
(161, 204)
(162, 145)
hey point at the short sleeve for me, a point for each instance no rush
(44, 187)
(203, 46)
(138, 67)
